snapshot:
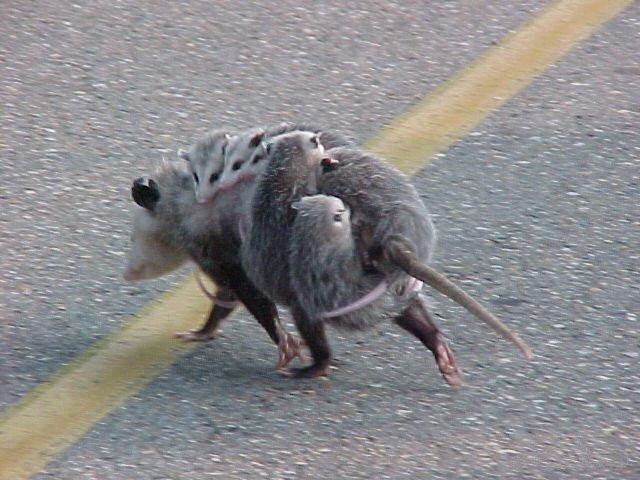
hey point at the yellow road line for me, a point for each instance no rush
(55, 414)
(460, 103)
(59, 411)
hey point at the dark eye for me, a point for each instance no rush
(337, 217)
(268, 148)
(315, 140)
(213, 177)
(236, 166)
(224, 149)
(195, 177)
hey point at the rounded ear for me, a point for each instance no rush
(329, 162)
(146, 196)
(227, 136)
(183, 155)
(295, 205)
(256, 139)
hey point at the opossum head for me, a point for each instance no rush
(244, 159)
(152, 254)
(326, 217)
(206, 161)
(301, 154)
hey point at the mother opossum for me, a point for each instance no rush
(393, 236)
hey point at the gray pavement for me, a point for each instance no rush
(537, 212)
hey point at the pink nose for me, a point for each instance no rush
(225, 186)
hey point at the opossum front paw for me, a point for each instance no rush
(196, 335)
(312, 371)
(289, 347)
(447, 363)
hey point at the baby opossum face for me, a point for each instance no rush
(150, 255)
(206, 161)
(244, 159)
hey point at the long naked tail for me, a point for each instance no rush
(407, 260)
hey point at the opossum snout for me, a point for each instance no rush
(203, 199)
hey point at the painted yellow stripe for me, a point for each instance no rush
(455, 107)
(55, 414)
(59, 411)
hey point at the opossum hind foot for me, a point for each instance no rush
(446, 361)
(289, 347)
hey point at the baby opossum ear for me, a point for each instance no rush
(146, 196)
(328, 164)
(183, 155)
(295, 205)
(256, 139)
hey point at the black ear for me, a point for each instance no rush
(256, 139)
(328, 164)
(146, 196)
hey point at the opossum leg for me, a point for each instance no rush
(265, 311)
(313, 334)
(417, 320)
(403, 256)
(208, 331)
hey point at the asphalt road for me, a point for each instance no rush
(537, 211)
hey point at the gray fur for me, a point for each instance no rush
(270, 217)
(326, 269)
(383, 204)
(245, 155)
(391, 227)
(206, 161)
(202, 232)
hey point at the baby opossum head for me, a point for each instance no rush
(206, 161)
(324, 217)
(244, 159)
(303, 156)
(152, 253)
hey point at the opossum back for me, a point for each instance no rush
(382, 200)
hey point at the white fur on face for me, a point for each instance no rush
(149, 256)
(206, 169)
(239, 165)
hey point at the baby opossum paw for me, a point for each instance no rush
(289, 348)
(196, 335)
(447, 364)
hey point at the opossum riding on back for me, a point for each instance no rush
(172, 227)
(296, 259)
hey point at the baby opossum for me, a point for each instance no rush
(206, 160)
(244, 160)
(391, 230)
(172, 228)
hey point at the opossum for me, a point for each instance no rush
(391, 229)
(205, 159)
(172, 228)
(244, 161)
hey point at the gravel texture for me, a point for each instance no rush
(537, 211)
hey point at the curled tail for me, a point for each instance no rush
(404, 257)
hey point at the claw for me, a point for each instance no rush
(289, 348)
(447, 363)
(196, 335)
